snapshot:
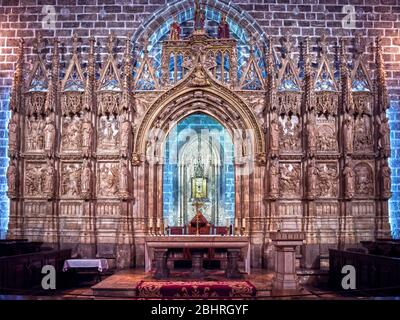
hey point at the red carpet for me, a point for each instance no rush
(195, 289)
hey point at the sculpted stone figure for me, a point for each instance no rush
(175, 30)
(123, 179)
(87, 132)
(386, 181)
(348, 135)
(86, 179)
(13, 134)
(11, 179)
(348, 175)
(311, 135)
(48, 179)
(312, 173)
(49, 136)
(223, 28)
(274, 178)
(274, 137)
(34, 134)
(199, 16)
(384, 136)
(125, 132)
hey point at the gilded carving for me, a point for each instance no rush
(71, 137)
(34, 134)
(13, 128)
(71, 180)
(108, 133)
(289, 182)
(363, 180)
(49, 136)
(290, 133)
(328, 185)
(12, 180)
(348, 175)
(363, 139)
(108, 179)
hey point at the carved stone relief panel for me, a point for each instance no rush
(35, 208)
(326, 134)
(328, 180)
(289, 183)
(108, 179)
(34, 137)
(71, 180)
(108, 209)
(363, 134)
(290, 134)
(35, 179)
(364, 179)
(108, 136)
(71, 137)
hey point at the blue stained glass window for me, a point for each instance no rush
(324, 81)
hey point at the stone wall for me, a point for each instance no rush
(23, 18)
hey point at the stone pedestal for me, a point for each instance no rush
(197, 264)
(160, 257)
(285, 268)
(232, 270)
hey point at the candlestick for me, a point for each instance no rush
(244, 223)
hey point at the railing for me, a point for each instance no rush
(372, 271)
(24, 271)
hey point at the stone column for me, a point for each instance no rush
(160, 257)
(232, 270)
(197, 263)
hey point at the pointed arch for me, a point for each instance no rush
(189, 97)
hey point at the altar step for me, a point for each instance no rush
(131, 284)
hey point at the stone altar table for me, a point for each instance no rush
(156, 246)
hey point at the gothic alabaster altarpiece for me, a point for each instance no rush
(86, 169)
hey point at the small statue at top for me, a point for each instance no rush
(175, 31)
(223, 28)
(199, 16)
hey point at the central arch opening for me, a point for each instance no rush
(198, 164)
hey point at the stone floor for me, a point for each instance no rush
(122, 285)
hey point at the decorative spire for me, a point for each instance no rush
(347, 98)
(126, 85)
(382, 94)
(51, 99)
(91, 73)
(16, 93)
(307, 75)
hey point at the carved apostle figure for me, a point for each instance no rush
(384, 136)
(274, 137)
(125, 132)
(199, 16)
(11, 179)
(348, 135)
(86, 135)
(123, 179)
(48, 179)
(86, 179)
(386, 181)
(274, 178)
(312, 173)
(49, 136)
(348, 175)
(175, 31)
(311, 135)
(223, 28)
(13, 134)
